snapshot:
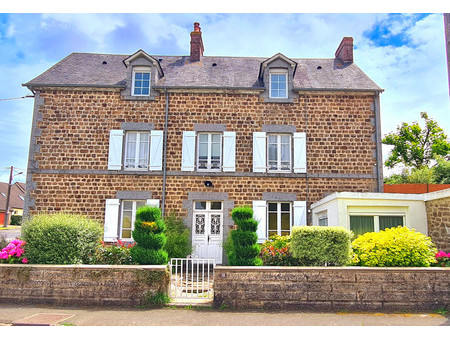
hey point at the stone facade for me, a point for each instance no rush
(332, 289)
(438, 217)
(329, 112)
(127, 286)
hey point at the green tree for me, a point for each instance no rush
(442, 172)
(415, 146)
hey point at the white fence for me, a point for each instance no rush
(191, 278)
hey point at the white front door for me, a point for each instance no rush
(207, 230)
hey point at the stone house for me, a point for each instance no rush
(198, 135)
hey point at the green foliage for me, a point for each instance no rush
(115, 254)
(178, 244)
(319, 246)
(398, 246)
(61, 238)
(16, 220)
(276, 252)
(442, 172)
(155, 300)
(417, 147)
(242, 248)
(439, 174)
(149, 236)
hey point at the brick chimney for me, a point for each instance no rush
(196, 43)
(345, 50)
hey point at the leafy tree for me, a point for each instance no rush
(442, 172)
(416, 147)
(439, 174)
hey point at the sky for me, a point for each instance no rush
(403, 53)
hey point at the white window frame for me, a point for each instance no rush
(209, 151)
(133, 217)
(144, 70)
(279, 135)
(279, 212)
(136, 151)
(278, 72)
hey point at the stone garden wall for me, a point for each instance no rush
(332, 288)
(127, 286)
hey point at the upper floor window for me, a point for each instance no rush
(209, 151)
(141, 81)
(279, 154)
(278, 84)
(137, 150)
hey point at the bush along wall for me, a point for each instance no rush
(243, 248)
(398, 246)
(321, 246)
(60, 238)
(149, 236)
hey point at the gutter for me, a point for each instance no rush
(378, 149)
(163, 197)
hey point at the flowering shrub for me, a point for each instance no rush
(276, 251)
(118, 253)
(13, 252)
(442, 259)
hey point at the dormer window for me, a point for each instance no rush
(278, 83)
(141, 81)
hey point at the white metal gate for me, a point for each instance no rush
(191, 278)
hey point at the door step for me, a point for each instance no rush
(182, 303)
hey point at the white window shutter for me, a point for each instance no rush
(110, 230)
(299, 152)
(229, 151)
(153, 203)
(259, 152)
(299, 213)
(260, 214)
(115, 149)
(156, 150)
(188, 151)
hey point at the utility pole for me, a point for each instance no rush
(7, 197)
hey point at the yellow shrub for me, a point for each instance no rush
(393, 247)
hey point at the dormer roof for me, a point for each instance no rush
(277, 56)
(142, 54)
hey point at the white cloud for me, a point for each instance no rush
(94, 26)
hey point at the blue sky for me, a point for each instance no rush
(403, 53)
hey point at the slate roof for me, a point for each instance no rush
(85, 69)
(17, 190)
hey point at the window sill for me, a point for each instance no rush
(139, 98)
(280, 100)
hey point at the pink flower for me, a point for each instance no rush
(4, 255)
(24, 260)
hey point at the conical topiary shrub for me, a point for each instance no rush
(244, 250)
(149, 236)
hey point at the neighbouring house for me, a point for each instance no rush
(199, 135)
(428, 213)
(16, 200)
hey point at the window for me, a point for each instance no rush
(362, 224)
(137, 150)
(209, 151)
(279, 218)
(279, 154)
(323, 221)
(278, 84)
(141, 82)
(128, 217)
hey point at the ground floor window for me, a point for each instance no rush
(362, 224)
(128, 217)
(279, 218)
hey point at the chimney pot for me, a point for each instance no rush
(196, 43)
(345, 50)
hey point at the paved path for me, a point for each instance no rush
(10, 234)
(10, 314)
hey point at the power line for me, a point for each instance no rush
(17, 98)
